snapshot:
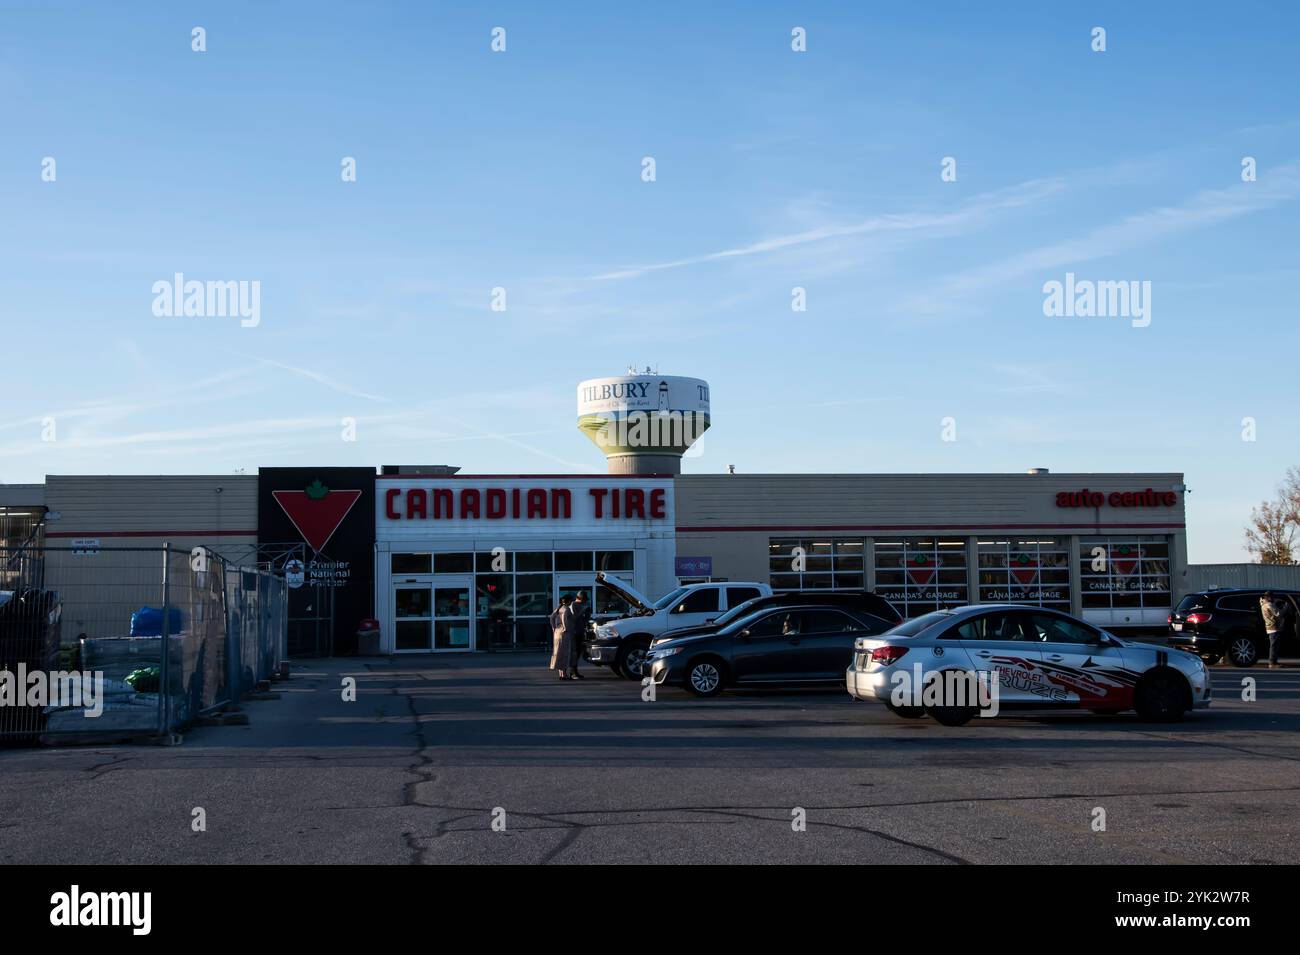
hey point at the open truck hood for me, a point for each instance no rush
(625, 590)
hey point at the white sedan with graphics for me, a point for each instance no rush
(1017, 657)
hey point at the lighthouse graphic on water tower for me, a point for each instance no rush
(643, 422)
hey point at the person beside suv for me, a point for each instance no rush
(1273, 612)
(1229, 624)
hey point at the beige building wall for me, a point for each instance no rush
(131, 518)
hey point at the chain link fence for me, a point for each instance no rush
(119, 642)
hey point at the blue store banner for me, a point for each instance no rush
(693, 566)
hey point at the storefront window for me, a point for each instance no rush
(533, 595)
(610, 560)
(573, 560)
(533, 561)
(1124, 572)
(815, 563)
(451, 618)
(412, 563)
(920, 574)
(1031, 571)
(513, 596)
(494, 610)
(453, 563)
(494, 563)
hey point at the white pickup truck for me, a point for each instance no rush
(621, 643)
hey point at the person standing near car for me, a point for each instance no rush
(562, 637)
(581, 611)
(1274, 621)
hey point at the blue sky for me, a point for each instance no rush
(775, 169)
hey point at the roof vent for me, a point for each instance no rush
(1039, 471)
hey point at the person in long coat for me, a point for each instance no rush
(581, 611)
(562, 636)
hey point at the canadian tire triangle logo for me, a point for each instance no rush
(1125, 559)
(922, 568)
(316, 511)
(1024, 567)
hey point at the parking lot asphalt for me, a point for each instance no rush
(491, 759)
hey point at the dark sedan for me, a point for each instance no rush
(862, 600)
(801, 645)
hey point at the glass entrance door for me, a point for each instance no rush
(453, 620)
(434, 615)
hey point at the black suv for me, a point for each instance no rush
(863, 600)
(1227, 623)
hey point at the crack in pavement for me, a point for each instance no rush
(111, 765)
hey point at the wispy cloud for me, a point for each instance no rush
(971, 213)
(1160, 224)
(317, 377)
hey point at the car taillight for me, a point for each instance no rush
(1169, 619)
(1196, 619)
(887, 655)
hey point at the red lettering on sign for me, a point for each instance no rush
(635, 503)
(469, 504)
(1148, 497)
(536, 503)
(442, 501)
(561, 496)
(555, 503)
(417, 503)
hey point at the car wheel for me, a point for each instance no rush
(907, 712)
(951, 715)
(1162, 697)
(704, 678)
(1242, 652)
(631, 660)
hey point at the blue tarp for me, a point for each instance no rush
(147, 622)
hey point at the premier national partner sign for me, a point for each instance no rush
(409, 506)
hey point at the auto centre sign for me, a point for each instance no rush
(410, 506)
(1149, 497)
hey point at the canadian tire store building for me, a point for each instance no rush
(455, 563)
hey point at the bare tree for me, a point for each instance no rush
(1290, 495)
(1271, 534)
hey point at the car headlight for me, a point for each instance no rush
(607, 633)
(666, 652)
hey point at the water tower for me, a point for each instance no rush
(645, 422)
